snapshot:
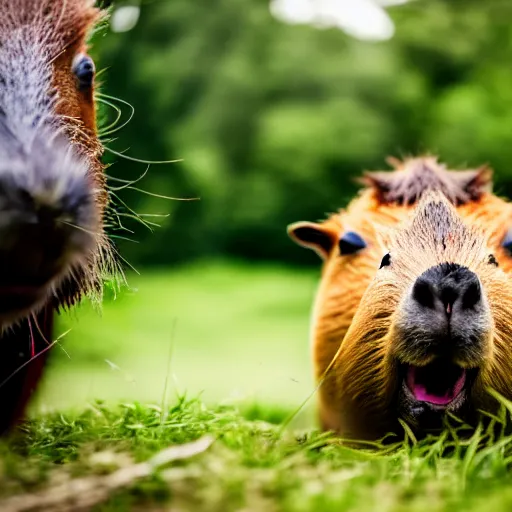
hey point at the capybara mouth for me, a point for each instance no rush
(438, 383)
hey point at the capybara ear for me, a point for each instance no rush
(319, 237)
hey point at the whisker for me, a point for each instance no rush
(128, 183)
(158, 215)
(119, 237)
(113, 128)
(125, 261)
(79, 228)
(44, 337)
(140, 161)
(39, 354)
(148, 223)
(136, 215)
(32, 341)
(108, 129)
(152, 194)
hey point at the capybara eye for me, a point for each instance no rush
(84, 70)
(350, 243)
(493, 260)
(507, 243)
(386, 261)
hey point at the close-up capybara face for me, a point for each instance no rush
(438, 297)
(52, 188)
(410, 321)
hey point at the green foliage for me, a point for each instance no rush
(274, 121)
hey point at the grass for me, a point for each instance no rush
(252, 465)
(236, 336)
(230, 332)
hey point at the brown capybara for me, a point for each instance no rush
(412, 315)
(53, 195)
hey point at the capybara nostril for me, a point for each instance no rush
(459, 286)
(473, 294)
(423, 293)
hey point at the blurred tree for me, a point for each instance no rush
(274, 121)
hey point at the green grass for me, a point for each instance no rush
(236, 336)
(252, 465)
(234, 332)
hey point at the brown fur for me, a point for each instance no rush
(60, 28)
(352, 327)
(79, 107)
(414, 176)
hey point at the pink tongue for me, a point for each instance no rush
(421, 394)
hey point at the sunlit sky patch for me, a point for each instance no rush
(363, 19)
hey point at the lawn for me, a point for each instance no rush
(230, 343)
(225, 459)
(226, 332)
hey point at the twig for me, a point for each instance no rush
(84, 493)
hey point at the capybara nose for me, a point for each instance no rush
(46, 225)
(446, 315)
(448, 286)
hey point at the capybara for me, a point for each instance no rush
(53, 195)
(412, 318)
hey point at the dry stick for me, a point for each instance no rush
(84, 493)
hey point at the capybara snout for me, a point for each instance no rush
(448, 287)
(48, 221)
(444, 315)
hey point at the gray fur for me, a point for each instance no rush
(39, 165)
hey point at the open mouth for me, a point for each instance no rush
(439, 383)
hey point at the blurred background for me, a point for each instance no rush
(274, 108)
